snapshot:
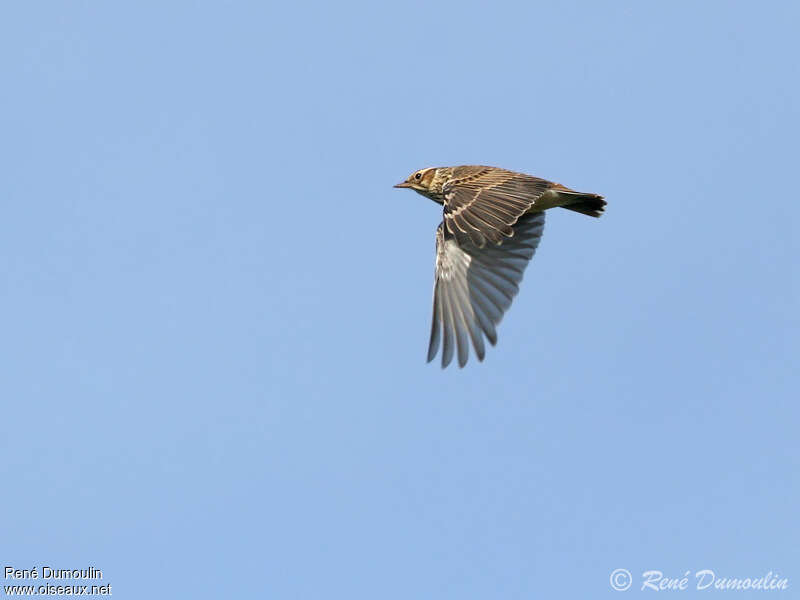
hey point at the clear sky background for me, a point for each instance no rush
(215, 308)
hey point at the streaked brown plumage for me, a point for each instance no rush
(493, 220)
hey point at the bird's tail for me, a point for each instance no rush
(587, 204)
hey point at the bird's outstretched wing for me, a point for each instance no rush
(474, 286)
(484, 202)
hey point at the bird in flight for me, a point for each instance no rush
(493, 221)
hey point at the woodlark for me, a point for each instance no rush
(493, 220)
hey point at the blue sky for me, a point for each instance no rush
(216, 308)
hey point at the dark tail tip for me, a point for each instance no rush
(588, 204)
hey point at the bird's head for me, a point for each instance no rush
(420, 181)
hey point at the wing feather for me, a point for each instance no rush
(489, 201)
(436, 326)
(475, 285)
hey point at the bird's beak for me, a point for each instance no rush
(403, 184)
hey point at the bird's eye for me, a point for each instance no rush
(417, 176)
